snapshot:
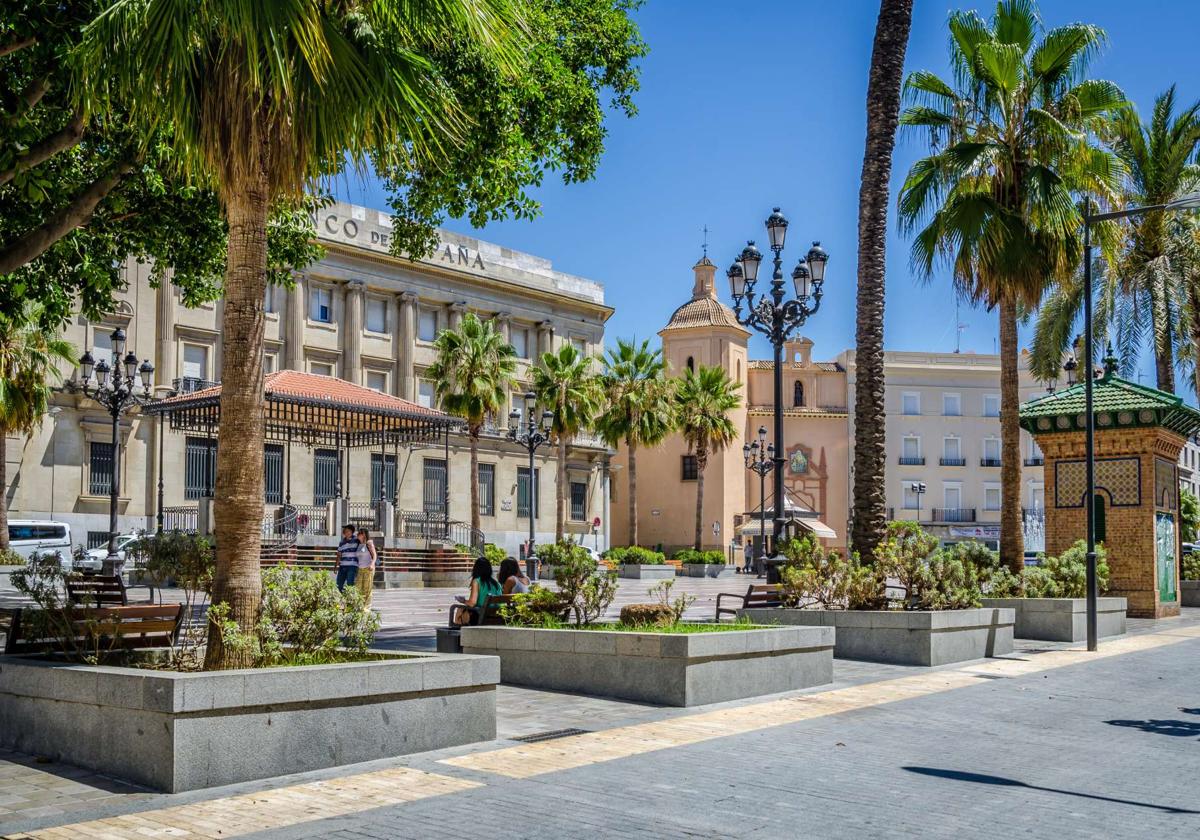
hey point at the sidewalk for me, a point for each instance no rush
(1049, 742)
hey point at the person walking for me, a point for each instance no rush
(347, 552)
(367, 557)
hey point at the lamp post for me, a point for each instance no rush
(918, 487)
(777, 319)
(760, 458)
(532, 435)
(1187, 202)
(115, 390)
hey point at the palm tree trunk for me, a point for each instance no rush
(1193, 290)
(631, 444)
(701, 463)
(4, 489)
(560, 518)
(473, 439)
(883, 109)
(1164, 356)
(238, 508)
(1012, 542)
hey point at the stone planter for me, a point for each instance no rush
(182, 731)
(937, 637)
(712, 570)
(669, 669)
(1062, 619)
(640, 571)
(1189, 593)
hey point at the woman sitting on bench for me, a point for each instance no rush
(511, 579)
(483, 584)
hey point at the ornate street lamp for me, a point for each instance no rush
(760, 458)
(115, 390)
(530, 436)
(777, 319)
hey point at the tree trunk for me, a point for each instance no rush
(633, 512)
(1193, 289)
(869, 515)
(473, 439)
(4, 489)
(1012, 542)
(1164, 356)
(560, 507)
(701, 463)
(238, 508)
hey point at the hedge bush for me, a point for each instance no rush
(637, 615)
(1191, 567)
(634, 555)
(8, 557)
(689, 556)
(1065, 576)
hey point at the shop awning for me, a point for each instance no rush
(814, 526)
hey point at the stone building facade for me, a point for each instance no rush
(359, 314)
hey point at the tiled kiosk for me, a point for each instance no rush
(1139, 434)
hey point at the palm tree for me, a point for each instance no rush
(703, 401)
(869, 520)
(639, 408)
(1142, 284)
(264, 100)
(996, 197)
(471, 375)
(565, 384)
(30, 360)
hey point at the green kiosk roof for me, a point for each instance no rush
(1117, 403)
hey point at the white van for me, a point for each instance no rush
(29, 536)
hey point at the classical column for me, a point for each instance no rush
(545, 338)
(164, 365)
(294, 334)
(504, 326)
(406, 346)
(457, 310)
(352, 330)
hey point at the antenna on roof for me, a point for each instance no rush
(705, 245)
(959, 326)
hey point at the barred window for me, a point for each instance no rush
(273, 473)
(579, 500)
(100, 482)
(199, 468)
(689, 469)
(524, 493)
(383, 476)
(487, 489)
(325, 475)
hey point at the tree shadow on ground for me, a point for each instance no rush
(984, 779)
(1174, 728)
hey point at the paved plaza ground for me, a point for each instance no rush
(1050, 741)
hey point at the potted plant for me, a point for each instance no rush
(702, 563)
(636, 562)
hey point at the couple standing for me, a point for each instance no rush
(356, 562)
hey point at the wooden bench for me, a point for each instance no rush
(96, 591)
(125, 627)
(758, 595)
(449, 639)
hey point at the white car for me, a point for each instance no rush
(93, 559)
(28, 537)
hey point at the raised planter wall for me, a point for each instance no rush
(639, 571)
(1062, 619)
(668, 669)
(905, 638)
(1189, 593)
(712, 570)
(183, 731)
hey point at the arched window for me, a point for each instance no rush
(798, 394)
(691, 363)
(739, 370)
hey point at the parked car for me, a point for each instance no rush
(93, 559)
(34, 536)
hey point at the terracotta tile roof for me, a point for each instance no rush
(767, 364)
(703, 311)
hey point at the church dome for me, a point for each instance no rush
(703, 310)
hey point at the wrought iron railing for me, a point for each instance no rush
(953, 462)
(361, 513)
(191, 384)
(1035, 462)
(435, 527)
(954, 514)
(989, 462)
(911, 461)
(312, 519)
(182, 518)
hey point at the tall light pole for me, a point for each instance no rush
(760, 458)
(777, 319)
(531, 436)
(115, 391)
(1187, 202)
(918, 488)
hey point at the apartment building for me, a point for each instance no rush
(359, 314)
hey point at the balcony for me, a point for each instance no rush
(911, 462)
(1035, 462)
(954, 514)
(191, 384)
(952, 462)
(989, 462)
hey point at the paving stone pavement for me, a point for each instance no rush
(1049, 742)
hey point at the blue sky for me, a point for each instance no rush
(747, 105)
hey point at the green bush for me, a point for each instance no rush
(584, 590)
(995, 580)
(8, 557)
(539, 607)
(556, 554)
(678, 606)
(689, 556)
(815, 576)
(640, 615)
(1191, 567)
(495, 554)
(1065, 576)
(634, 555)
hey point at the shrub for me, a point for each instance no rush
(557, 553)
(994, 578)
(931, 581)
(690, 556)
(952, 584)
(634, 555)
(495, 554)
(639, 615)
(536, 608)
(1065, 576)
(8, 557)
(815, 576)
(189, 561)
(1191, 566)
(678, 606)
(584, 591)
